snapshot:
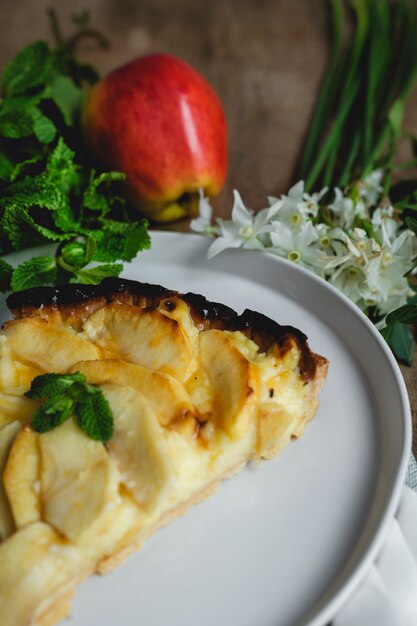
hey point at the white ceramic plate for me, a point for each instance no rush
(284, 543)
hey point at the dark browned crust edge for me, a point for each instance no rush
(72, 299)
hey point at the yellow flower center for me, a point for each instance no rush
(246, 231)
(294, 256)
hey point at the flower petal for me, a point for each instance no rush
(240, 214)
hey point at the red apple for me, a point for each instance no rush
(159, 121)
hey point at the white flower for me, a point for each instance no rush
(298, 205)
(202, 224)
(310, 205)
(296, 244)
(342, 251)
(344, 211)
(388, 287)
(244, 230)
(385, 227)
(350, 279)
(370, 188)
(362, 246)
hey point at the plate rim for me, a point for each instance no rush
(319, 615)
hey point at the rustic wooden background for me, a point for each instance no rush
(265, 58)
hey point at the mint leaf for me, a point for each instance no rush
(122, 240)
(24, 232)
(22, 167)
(96, 196)
(43, 127)
(16, 124)
(76, 254)
(33, 191)
(34, 273)
(95, 275)
(5, 275)
(6, 166)
(61, 170)
(28, 69)
(70, 394)
(22, 102)
(52, 413)
(94, 416)
(67, 97)
(47, 385)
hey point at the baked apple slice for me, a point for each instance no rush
(147, 338)
(166, 396)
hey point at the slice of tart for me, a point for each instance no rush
(196, 391)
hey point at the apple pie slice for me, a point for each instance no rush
(195, 390)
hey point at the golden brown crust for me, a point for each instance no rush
(73, 304)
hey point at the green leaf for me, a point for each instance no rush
(47, 385)
(97, 199)
(5, 275)
(386, 332)
(22, 102)
(24, 165)
(405, 314)
(90, 249)
(68, 394)
(61, 169)
(6, 167)
(77, 254)
(34, 273)
(94, 416)
(43, 127)
(411, 224)
(122, 240)
(95, 275)
(16, 124)
(396, 116)
(33, 191)
(401, 341)
(52, 413)
(28, 69)
(24, 232)
(67, 97)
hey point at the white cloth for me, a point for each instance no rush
(388, 594)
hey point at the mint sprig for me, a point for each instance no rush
(67, 395)
(50, 190)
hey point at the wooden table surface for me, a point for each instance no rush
(265, 58)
